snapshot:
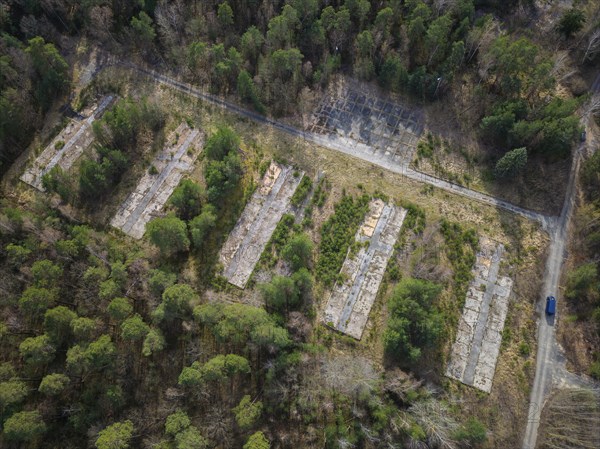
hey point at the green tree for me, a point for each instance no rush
(24, 426)
(281, 294)
(45, 273)
(511, 163)
(37, 350)
(247, 412)
(153, 343)
(190, 438)
(188, 198)
(119, 308)
(57, 323)
(257, 440)
(143, 29)
(251, 45)
(134, 328)
(225, 16)
(414, 322)
(298, 251)
(17, 255)
(177, 422)
(96, 178)
(177, 302)
(240, 324)
(221, 143)
(393, 74)
(169, 234)
(201, 225)
(365, 48)
(84, 328)
(248, 92)
(12, 392)
(100, 354)
(571, 22)
(222, 177)
(282, 29)
(217, 369)
(160, 280)
(115, 436)
(437, 39)
(51, 71)
(36, 300)
(53, 384)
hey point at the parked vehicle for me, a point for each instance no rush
(550, 305)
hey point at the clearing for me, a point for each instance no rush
(350, 303)
(157, 185)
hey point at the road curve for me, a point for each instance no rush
(547, 222)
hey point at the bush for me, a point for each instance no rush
(301, 192)
(511, 163)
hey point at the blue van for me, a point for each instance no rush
(550, 305)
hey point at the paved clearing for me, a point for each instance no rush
(74, 138)
(248, 239)
(370, 124)
(474, 354)
(348, 307)
(153, 190)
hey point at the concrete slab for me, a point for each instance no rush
(368, 124)
(248, 239)
(479, 335)
(153, 190)
(75, 138)
(350, 302)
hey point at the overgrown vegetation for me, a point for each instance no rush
(337, 234)
(414, 324)
(461, 247)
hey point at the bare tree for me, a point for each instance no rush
(593, 46)
(437, 422)
(101, 21)
(479, 38)
(561, 70)
(170, 18)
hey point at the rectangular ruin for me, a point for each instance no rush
(350, 303)
(155, 187)
(74, 138)
(367, 124)
(475, 351)
(248, 239)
